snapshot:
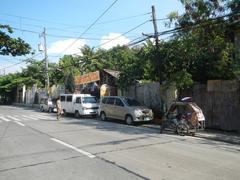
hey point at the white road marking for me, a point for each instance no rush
(47, 117)
(5, 119)
(74, 148)
(44, 117)
(29, 117)
(21, 124)
(14, 118)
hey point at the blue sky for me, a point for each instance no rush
(65, 21)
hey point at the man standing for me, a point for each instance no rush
(59, 108)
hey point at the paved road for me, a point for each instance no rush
(33, 145)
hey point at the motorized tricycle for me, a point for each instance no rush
(183, 117)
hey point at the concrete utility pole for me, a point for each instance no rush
(155, 25)
(46, 62)
(156, 43)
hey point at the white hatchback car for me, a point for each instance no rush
(48, 104)
(124, 108)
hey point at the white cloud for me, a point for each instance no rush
(69, 46)
(122, 40)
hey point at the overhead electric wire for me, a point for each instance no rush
(110, 41)
(161, 19)
(70, 26)
(57, 36)
(121, 19)
(134, 42)
(25, 30)
(90, 26)
(22, 61)
(122, 34)
(38, 20)
(178, 29)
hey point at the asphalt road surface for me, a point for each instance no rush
(34, 145)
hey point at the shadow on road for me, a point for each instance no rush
(113, 125)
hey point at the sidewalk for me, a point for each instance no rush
(35, 106)
(229, 137)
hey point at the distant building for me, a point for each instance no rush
(91, 83)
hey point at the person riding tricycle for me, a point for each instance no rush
(183, 117)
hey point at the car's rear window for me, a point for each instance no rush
(131, 102)
(104, 100)
(110, 101)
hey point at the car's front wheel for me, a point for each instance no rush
(76, 114)
(50, 110)
(103, 116)
(129, 120)
(41, 109)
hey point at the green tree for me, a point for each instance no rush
(200, 48)
(69, 82)
(36, 71)
(12, 46)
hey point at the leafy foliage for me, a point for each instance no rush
(69, 82)
(12, 46)
(201, 48)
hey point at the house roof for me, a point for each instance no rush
(112, 72)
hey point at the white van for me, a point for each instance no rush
(79, 104)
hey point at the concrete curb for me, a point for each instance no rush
(35, 106)
(211, 135)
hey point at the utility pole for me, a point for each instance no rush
(156, 43)
(46, 62)
(155, 25)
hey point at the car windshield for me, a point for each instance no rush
(54, 101)
(89, 100)
(131, 102)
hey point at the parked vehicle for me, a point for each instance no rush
(184, 117)
(79, 104)
(48, 104)
(124, 108)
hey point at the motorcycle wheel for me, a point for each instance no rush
(182, 129)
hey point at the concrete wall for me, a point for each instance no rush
(220, 102)
(30, 95)
(56, 90)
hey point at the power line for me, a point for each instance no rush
(57, 36)
(38, 20)
(178, 29)
(7, 58)
(121, 19)
(91, 25)
(25, 30)
(122, 34)
(161, 19)
(72, 26)
(22, 61)
(136, 41)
